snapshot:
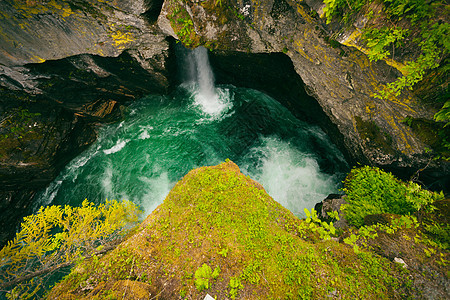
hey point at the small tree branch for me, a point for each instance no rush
(16, 281)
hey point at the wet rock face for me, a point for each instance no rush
(340, 78)
(36, 31)
(33, 156)
(64, 67)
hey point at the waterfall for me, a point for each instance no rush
(199, 72)
(204, 74)
(163, 137)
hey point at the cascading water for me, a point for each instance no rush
(163, 137)
(202, 83)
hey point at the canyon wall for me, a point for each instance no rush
(67, 66)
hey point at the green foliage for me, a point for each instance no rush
(443, 115)
(440, 232)
(359, 239)
(413, 9)
(235, 285)
(182, 24)
(351, 240)
(325, 230)
(378, 39)
(434, 41)
(372, 191)
(336, 7)
(330, 9)
(57, 237)
(223, 252)
(203, 275)
(434, 44)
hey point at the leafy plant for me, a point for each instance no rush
(223, 252)
(378, 39)
(325, 230)
(351, 240)
(443, 115)
(372, 191)
(203, 275)
(235, 285)
(57, 237)
(433, 44)
(182, 24)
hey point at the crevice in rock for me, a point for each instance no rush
(153, 10)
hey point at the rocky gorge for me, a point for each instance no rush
(67, 67)
(84, 61)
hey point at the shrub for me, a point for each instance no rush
(372, 191)
(57, 237)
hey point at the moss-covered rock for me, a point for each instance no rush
(219, 232)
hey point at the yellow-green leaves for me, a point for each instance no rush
(203, 275)
(329, 9)
(57, 236)
(379, 39)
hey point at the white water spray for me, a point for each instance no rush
(205, 94)
(292, 177)
(205, 76)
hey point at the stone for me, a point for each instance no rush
(333, 203)
(341, 77)
(400, 261)
(69, 63)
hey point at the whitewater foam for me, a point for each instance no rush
(293, 178)
(117, 147)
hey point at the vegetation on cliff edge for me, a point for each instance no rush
(415, 33)
(58, 237)
(218, 232)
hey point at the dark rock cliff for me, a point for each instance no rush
(66, 66)
(335, 71)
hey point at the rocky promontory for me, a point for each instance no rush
(219, 233)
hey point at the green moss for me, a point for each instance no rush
(434, 134)
(373, 135)
(217, 208)
(183, 25)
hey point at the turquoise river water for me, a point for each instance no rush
(165, 136)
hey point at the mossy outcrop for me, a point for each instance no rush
(219, 232)
(90, 58)
(329, 60)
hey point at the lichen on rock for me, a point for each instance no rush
(332, 65)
